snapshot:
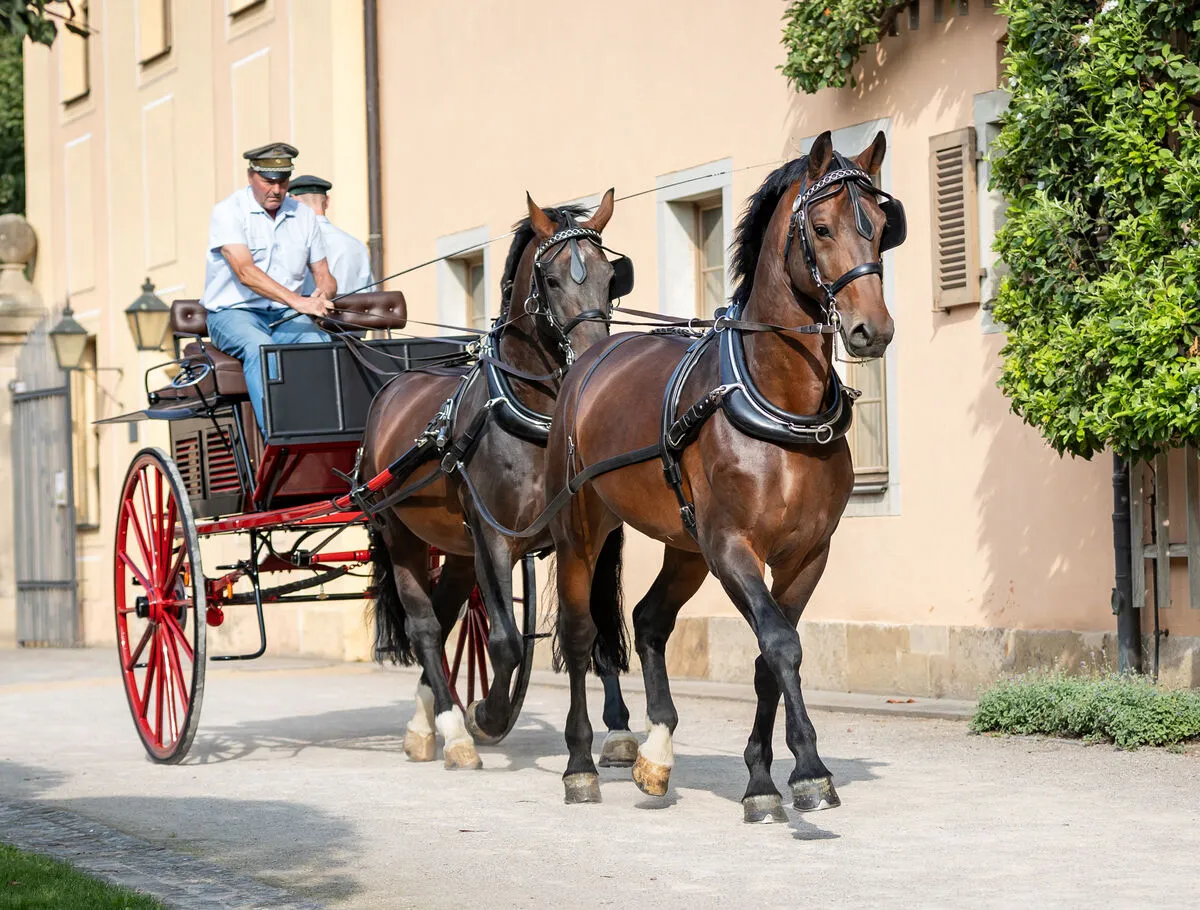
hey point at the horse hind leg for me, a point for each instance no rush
(620, 745)
(680, 577)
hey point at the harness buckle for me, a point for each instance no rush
(536, 305)
(824, 434)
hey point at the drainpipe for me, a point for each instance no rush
(374, 184)
(1129, 631)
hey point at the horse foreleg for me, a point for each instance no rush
(576, 635)
(740, 572)
(411, 573)
(488, 719)
(680, 577)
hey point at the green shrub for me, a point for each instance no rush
(1130, 711)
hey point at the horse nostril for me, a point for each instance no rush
(862, 335)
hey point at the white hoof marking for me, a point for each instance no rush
(452, 727)
(422, 719)
(657, 747)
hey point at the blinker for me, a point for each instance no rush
(578, 266)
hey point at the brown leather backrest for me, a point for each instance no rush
(189, 317)
(377, 310)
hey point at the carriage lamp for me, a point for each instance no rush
(69, 339)
(149, 318)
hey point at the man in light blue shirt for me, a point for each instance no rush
(348, 259)
(261, 244)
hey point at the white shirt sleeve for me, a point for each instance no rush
(225, 228)
(316, 243)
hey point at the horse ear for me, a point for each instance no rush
(538, 219)
(820, 155)
(600, 217)
(871, 158)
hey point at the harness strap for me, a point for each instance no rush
(556, 505)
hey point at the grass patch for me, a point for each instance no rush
(29, 881)
(1129, 711)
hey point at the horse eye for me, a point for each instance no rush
(551, 281)
(822, 231)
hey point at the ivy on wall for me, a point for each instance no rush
(822, 40)
(1099, 159)
(32, 19)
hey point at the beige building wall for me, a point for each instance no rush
(986, 542)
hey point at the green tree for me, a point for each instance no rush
(32, 18)
(822, 40)
(1099, 159)
(12, 125)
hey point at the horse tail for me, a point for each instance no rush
(391, 636)
(610, 652)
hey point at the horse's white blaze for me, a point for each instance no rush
(422, 719)
(452, 726)
(657, 747)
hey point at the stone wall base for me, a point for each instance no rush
(933, 661)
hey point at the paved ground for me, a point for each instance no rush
(298, 781)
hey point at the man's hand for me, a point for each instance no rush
(316, 305)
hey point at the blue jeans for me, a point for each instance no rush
(242, 331)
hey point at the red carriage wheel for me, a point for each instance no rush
(160, 607)
(465, 660)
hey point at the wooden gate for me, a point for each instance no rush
(43, 504)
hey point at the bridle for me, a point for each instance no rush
(856, 182)
(537, 302)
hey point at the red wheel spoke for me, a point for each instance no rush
(458, 653)
(176, 685)
(177, 633)
(157, 521)
(137, 652)
(151, 663)
(149, 516)
(481, 640)
(470, 632)
(169, 581)
(158, 689)
(141, 537)
(138, 573)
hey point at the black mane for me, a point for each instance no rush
(564, 216)
(748, 237)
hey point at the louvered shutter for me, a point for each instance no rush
(955, 219)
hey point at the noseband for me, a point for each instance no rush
(537, 303)
(856, 182)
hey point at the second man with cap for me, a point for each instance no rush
(347, 256)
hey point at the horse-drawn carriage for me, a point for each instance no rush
(555, 438)
(285, 491)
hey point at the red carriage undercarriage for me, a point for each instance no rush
(223, 478)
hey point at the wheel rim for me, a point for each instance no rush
(465, 658)
(159, 611)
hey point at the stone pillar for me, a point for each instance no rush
(21, 309)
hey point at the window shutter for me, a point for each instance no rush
(955, 219)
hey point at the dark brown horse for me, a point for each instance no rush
(557, 288)
(765, 478)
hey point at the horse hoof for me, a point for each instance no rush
(420, 746)
(814, 794)
(620, 749)
(473, 728)
(461, 756)
(581, 788)
(763, 810)
(651, 777)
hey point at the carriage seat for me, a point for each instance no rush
(377, 310)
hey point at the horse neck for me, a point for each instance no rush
(520, 345)
(791, 370)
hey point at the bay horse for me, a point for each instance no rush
(497, 417)
(760, 468)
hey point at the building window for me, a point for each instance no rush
(710, 256)
(868, 433)
(471, 275)
(463, 279)
(239, 8)
(154, 30)
(74, 57)
(693, 207)
(85, 392)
